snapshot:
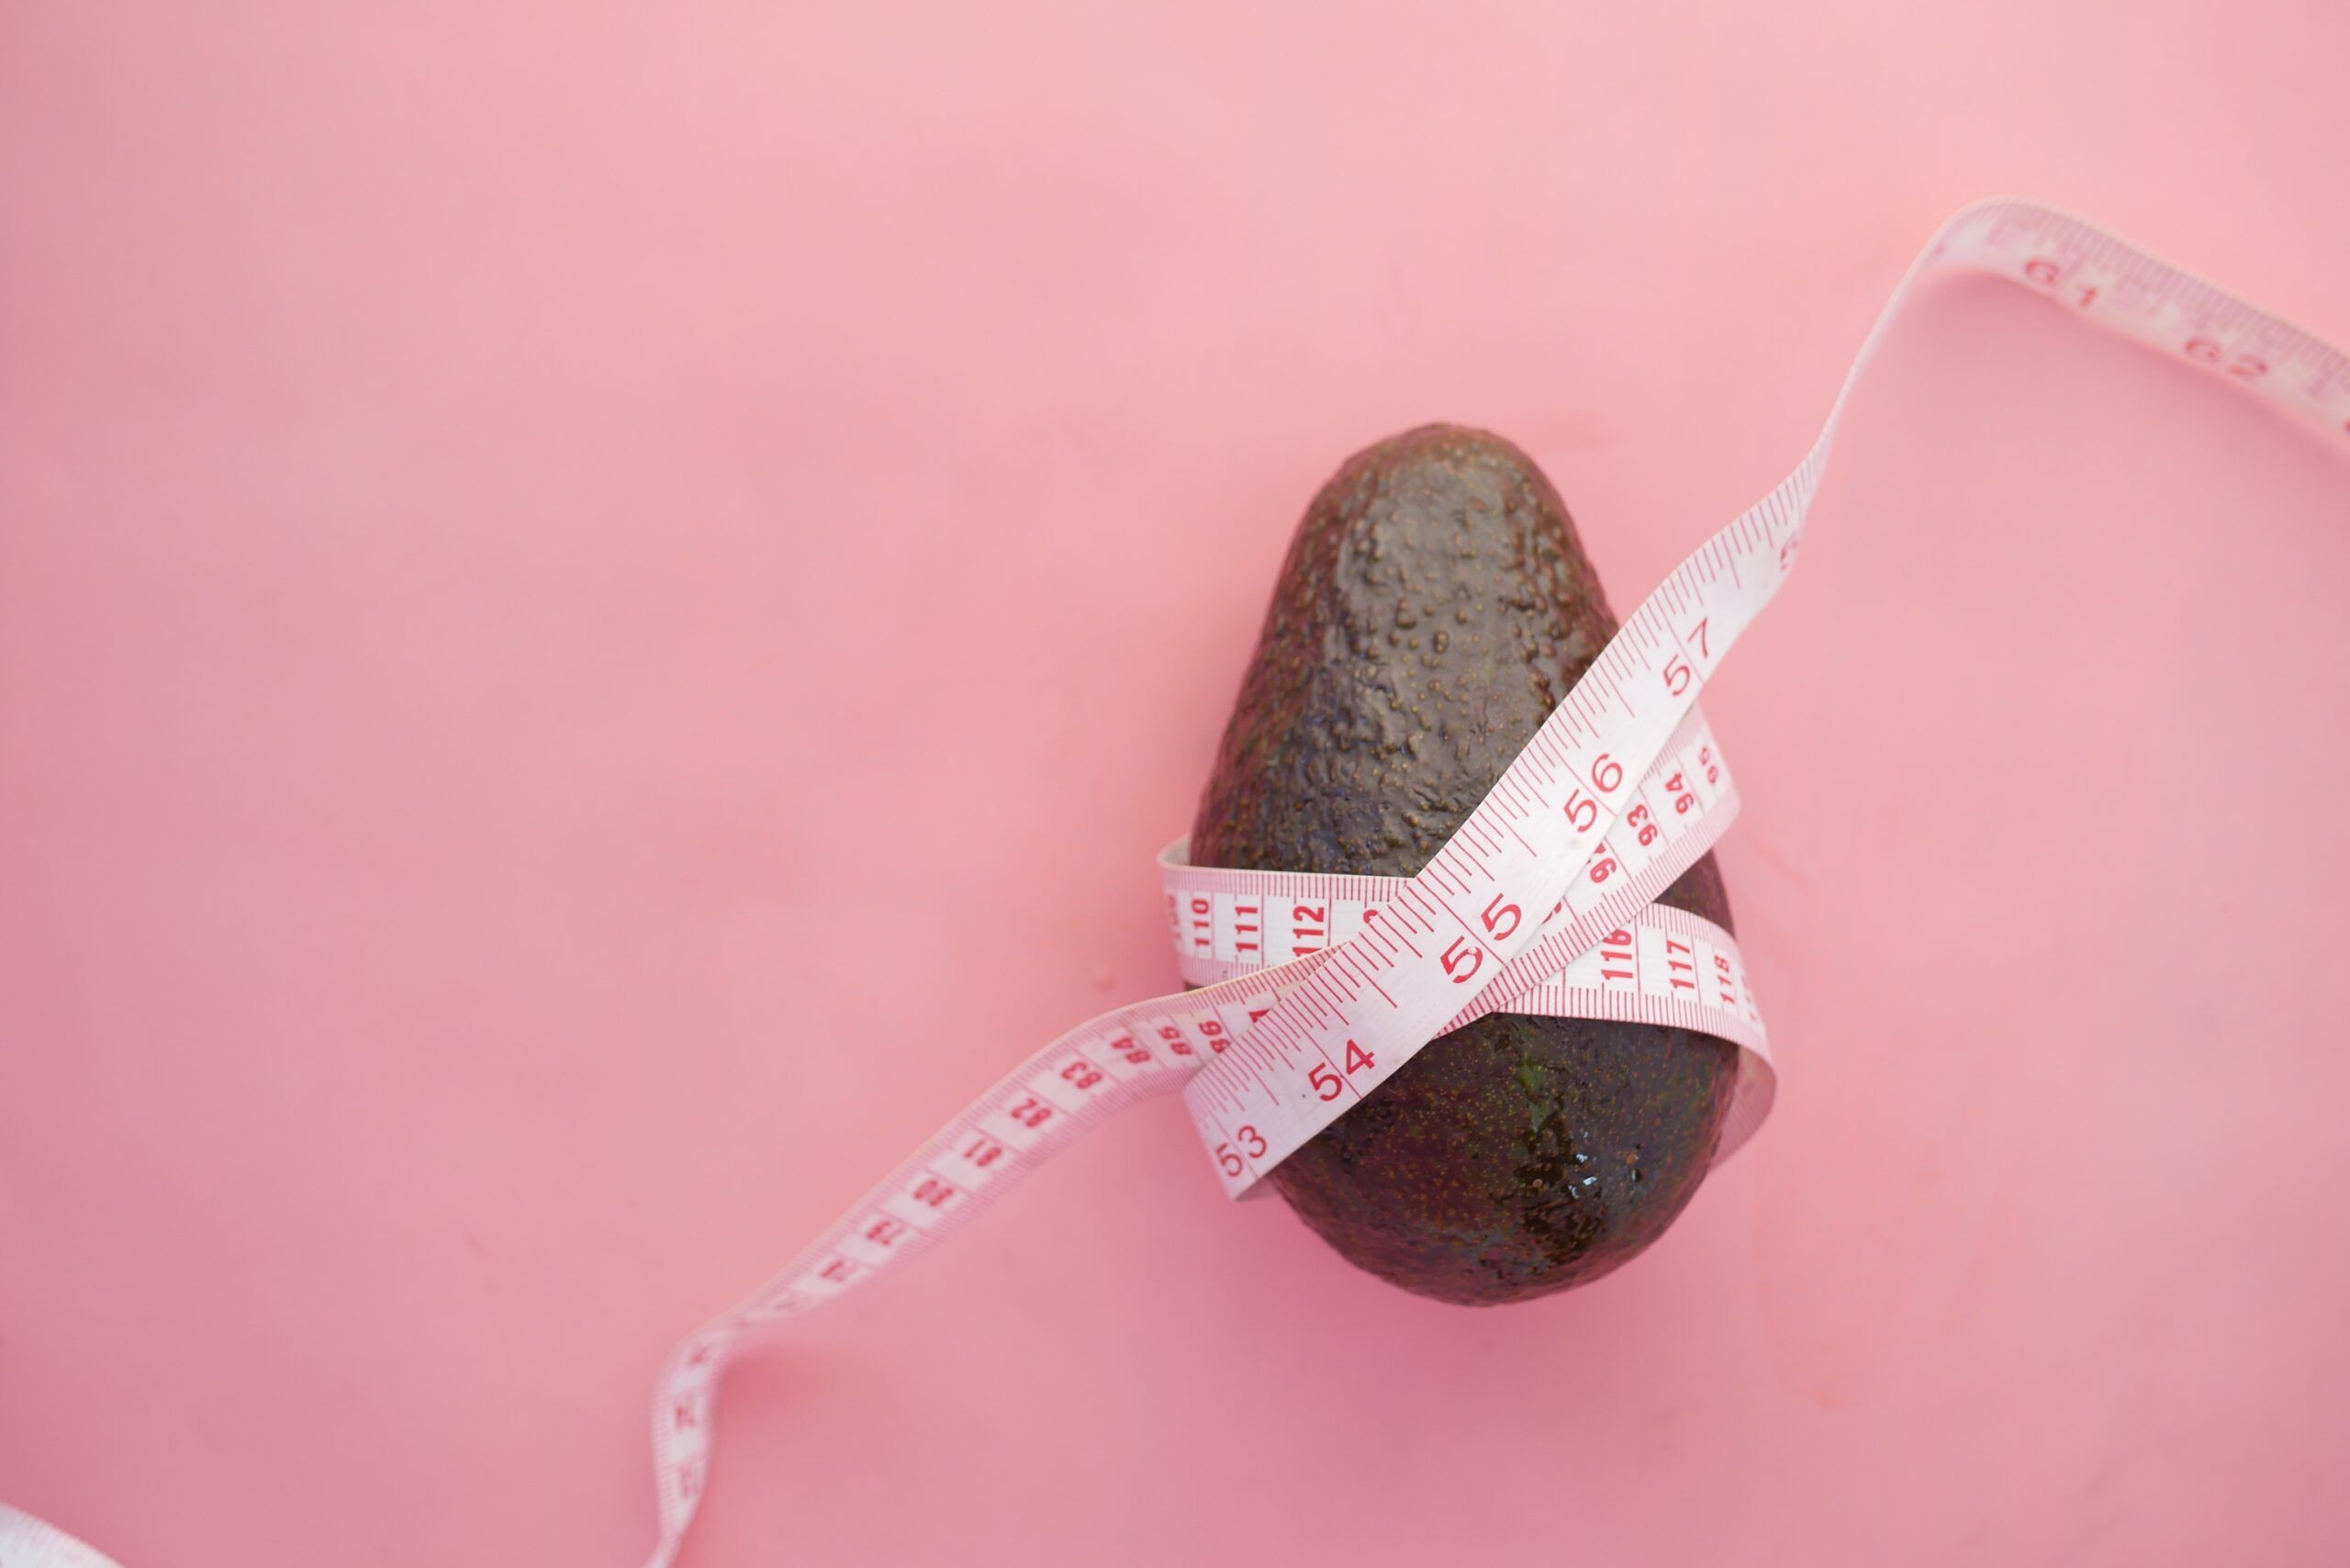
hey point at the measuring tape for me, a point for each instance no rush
(27, 1542)
(1313, 989)
(1317, 988)
(1602, 951)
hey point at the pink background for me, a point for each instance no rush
(492, 500)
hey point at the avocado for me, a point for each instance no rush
(1435, 606)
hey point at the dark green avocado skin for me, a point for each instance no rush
(1435, 605)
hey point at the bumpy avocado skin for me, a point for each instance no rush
(1435, 605)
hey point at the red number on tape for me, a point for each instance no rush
(1496, 912)
(1616, 949)
(1327, 1084)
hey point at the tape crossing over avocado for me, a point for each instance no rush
(1434, 607)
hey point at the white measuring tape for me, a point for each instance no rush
(26, 1542)
(1657, 966)
(1537, 902)
(1317, 988)
(1603, 951)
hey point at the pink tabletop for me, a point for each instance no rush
(600, 615)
